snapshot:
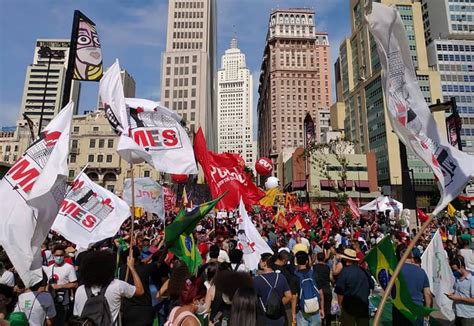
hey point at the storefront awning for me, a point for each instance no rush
(362, 184)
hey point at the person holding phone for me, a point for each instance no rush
(463, 295)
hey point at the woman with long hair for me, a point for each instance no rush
(190, 303)
(244, 307)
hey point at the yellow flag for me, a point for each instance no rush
(269, 198)
(451, 210)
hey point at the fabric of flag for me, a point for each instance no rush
(435, 263)
(148, 195)
(89, 213)
(186, 250)
(249, 240)
(298, 223)
(87, 50)
(148, 131)
(186, 221)
(32, 192)
(334, 211)
(451, 210)
(270, 196)
(422, 216)
(280, 218)
(410, 117)
(382, 263)
(225, 172)
(353, 208)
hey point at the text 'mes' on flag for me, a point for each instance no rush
(225, 172)
(32, 192)
(408, 112)
(89, 213)
(382, 263)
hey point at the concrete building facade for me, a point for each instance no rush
(35, 85)
(189, 64)
(294, 80)
(234, 105)
(359, 92)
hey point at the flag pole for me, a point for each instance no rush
(132, 228)
(393, 278)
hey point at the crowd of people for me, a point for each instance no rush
(312, 277)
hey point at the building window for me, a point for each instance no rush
(110, 143)
(90, 158)
(92, 143)
(193, 81)
(146, 174)
(100, 158)
(74, 143)
(7, 148)
(109, 158)
(72, 158)
(95, 128)
(101, 143)
(76, 129)
(71, 174)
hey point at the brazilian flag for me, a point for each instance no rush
(179, 238)
(382, 264)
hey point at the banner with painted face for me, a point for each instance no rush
(148, 194)
(90, 213)
(86, 49)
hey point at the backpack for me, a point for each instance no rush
(309, 297)
(273, 305)
(96, 308)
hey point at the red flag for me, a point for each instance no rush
(298, 222)
(335, 212)
(422, 215)
(353, 208)
(225, 172)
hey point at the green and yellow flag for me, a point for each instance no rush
(382, 264)
(179, 238)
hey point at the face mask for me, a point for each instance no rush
(71, 254)
(59, 260)
(457, 274)
(201, 308)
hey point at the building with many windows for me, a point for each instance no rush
(360, 100)
(294, 80)
(189, 64)
(47, 85)
(449, 32)
(234, 105)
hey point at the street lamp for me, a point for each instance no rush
(46, 52)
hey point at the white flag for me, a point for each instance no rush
(435, 263)
(31, 193)
(148, 131)
(148, 194)
(408, 112)
(249, 240)
(90, 213)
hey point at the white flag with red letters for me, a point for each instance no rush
(32, 191)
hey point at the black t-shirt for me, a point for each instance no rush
(322, 276)
(144, 272)
(291, 279)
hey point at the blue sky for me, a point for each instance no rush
(135, 32)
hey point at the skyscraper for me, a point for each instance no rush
(449, 32)
(294, 80)
(189, 64)
(359, 93)
(36, 89)
(234, 105)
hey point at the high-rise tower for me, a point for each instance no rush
(234, 105)
(189, 64)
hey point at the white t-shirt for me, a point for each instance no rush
(36, 309)
(468, 255)
(8, 279)
(62, 274)
(116, 290)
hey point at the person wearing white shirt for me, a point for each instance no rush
(468, 255)
(37, 305)
(98, 269)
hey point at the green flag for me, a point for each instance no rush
(185, 222)
(382, 264)
(186, 250)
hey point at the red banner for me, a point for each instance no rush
(225, 172)
(353, 208)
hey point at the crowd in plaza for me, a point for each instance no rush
(313, 276)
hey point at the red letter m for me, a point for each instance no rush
(25, 178)
(144, 138)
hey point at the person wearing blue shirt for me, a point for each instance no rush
(463, 295)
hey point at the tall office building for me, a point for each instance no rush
(360, 100)
(294, 80)
(449, 32)
(189, 64)
(36, 87)
(234, 105)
